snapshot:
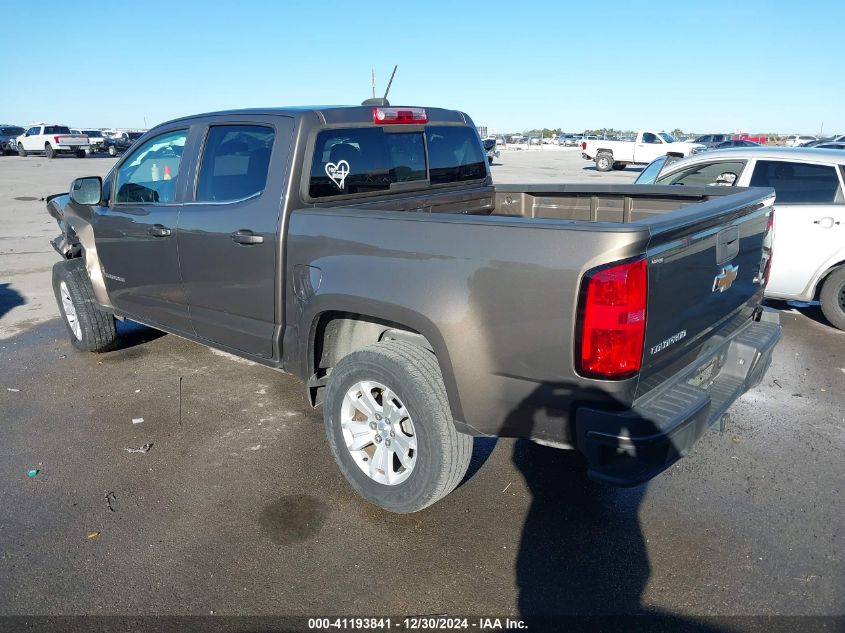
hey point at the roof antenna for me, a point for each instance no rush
(375, 101)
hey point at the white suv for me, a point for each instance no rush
(809, 226)
(52, 140)
(797, 140)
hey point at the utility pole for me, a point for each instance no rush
(373, 82)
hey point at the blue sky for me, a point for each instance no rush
(773, 66)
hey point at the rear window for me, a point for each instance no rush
(454, 154)
(56, 129)
(93, 133)
(350, 161)
(798, 182)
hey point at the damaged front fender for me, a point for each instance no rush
(77, 240)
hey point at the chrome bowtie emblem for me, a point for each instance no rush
(725, 279)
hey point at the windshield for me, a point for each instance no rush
(135, 135)
(12, 131)
(667, 137)
(649, 174)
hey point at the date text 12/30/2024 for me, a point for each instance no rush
(418, 623)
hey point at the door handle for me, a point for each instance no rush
(827, 222)
(245, 236)
(158, 230)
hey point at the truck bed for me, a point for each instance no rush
(492, 282)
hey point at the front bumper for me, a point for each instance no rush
(626, 448)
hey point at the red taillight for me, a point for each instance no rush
(384, 116)
(583, 146)
(612, 321)
(56, 138)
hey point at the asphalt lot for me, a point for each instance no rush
(239, 509)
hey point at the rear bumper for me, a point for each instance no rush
(626, 448)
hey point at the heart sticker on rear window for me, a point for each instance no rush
(338, 172)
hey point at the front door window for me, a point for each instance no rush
(149, 175)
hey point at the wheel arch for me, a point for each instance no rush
(831, 268)
(339, 329)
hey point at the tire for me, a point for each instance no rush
(604, 161)
(440, 455)
(833, 298)
(92, 330)
(618, 166)
(112, 151)
(49, 152)
(21, 151)
(81, 153)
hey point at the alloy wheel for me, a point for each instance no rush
(378, 432)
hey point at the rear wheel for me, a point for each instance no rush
(833, 298)
(90, 328)
(49, 152)
(390, 428)
(81, 153)
(604, 161)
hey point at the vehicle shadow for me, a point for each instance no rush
(131, 334)
(482, 448)
(811, 310)
(9, 299)
(631, 170)
(582, 556)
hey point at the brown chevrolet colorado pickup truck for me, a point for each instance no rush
(366, 250)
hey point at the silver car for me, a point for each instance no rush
(8, 134)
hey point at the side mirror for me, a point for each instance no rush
(87, 191)
(726, 179)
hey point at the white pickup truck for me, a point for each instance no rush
(648, 146)
(52, 140)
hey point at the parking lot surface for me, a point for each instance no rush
(238, 508)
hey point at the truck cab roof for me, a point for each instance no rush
(334, 114)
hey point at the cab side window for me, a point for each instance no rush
(648, 137)
(235, 162)
(798, 182)
(150, 173)
(32, 131)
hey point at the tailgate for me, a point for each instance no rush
(72, 139)
(706, 264)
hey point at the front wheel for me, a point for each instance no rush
(619, 166)
(604, 162)
(90, 328)
(390, 428)
(21, 151)
(112, 151)
(833, 298)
